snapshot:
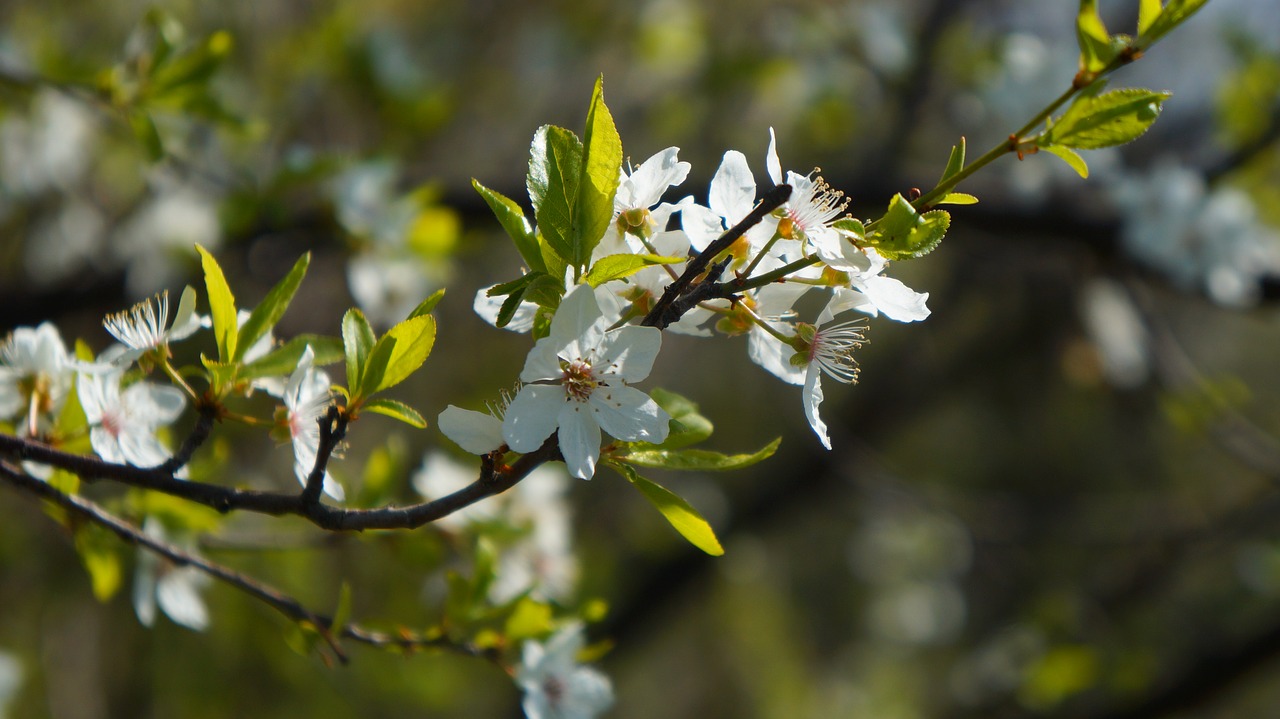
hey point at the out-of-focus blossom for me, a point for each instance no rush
(176, 590)
(35, 375)
(123, 423)
(157, 242)
(555, 685)
(306, 400)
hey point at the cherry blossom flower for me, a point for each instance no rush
(306, 400)
(123, 423)
(813, 204)
(638, 210)
(145, 327)
(35, 374)
(176, 590)
(555, 685)
(576, 383)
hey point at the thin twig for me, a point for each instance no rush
(281, 602)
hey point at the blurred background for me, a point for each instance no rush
(1055, 497)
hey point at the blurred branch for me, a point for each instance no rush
(283, 603)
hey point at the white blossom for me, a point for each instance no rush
(306, 400)
(176, 590)
(123, 423)
(145, 327)
(576, 383)
(555, 685)
(35, 374)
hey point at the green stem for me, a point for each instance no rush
(735, 286)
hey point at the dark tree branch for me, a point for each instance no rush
(670, 307)
(494, 478)
(283, 603)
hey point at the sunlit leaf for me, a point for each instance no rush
(682, 517)
(222, 306)
(555, 169)
(698, 459)
(396, 410)
(357, 341)
(398, 354)
(1103, 120)
(268, 313)
(1069, 156)
(512, 219)
(616, 267)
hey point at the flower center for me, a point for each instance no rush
(579, 381)
(554, 688)
(833, 347)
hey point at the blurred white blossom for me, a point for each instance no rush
(555, 685)
(176, 590)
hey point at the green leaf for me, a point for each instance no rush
(144, 129)
(96, 548)
(529, 618)
(398, 354)
(555, 169)
(687, 425)
(283, 360)
(1069, 156)
(1148, 11)
(512, 219)
(1104, 120)
(427, 305)
(955, 163)
(268, 313)
(357, 341)
(342, 614)
(601, 167)
(615, 267)
(904, 233)
(222, 305)
(396, 410)
(1095, 41)
(698, 459)
(1173, 15)
(683, 517)
(957, 198)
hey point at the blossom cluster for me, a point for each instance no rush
(577, 378)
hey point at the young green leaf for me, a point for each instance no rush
(555, 169)
(682, 517)
(957, 198)
(357, 341)
(616, 267)
(1095, 41)
(1173, 15)
(1102, 120)
(904, 233)
(283, 360)
(601, 166)
(698, 459)
(97, 551)
(512, 219)
(396, 410)
(955, 163)
(1069, 156)
(144, 129)
(222, 306)
(426, 306)
(268, 313)
(398, 354)
(1148, 11)
(342, 614)
(687, 425)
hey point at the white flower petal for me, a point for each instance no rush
(771, 160)
(628, 353)
(812, 397)
(543, 361)
(733, 189)
(770, 353)
(532, 416)
(578, 323)
(579, 438)
(894, 299)
(177, 595)
(476, 432)
(629, 414)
